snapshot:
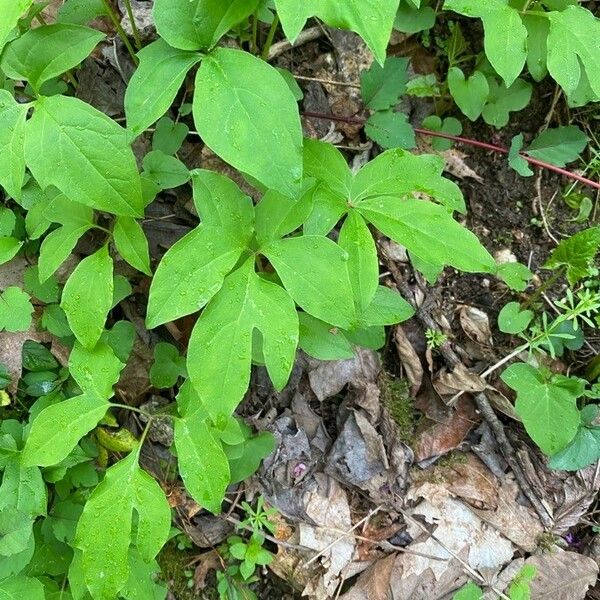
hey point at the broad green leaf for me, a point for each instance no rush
(469, 591)
(144, 581)
(537, 47)
(505, 39)
(387, 308)
(423, 86)
(168, 135)
(46, 292)
(59, 427)
(48, 51)
(512, 319)
(469, 94)
(104, 529)
(515, 160)
(277, 215)
(82, 140)
(202, 463)
(503, 100)
(12, 140)
(363, 264)
(130, 240)
(220, 347)
(322, 341)
(15, 531)
(155, 83)
(576, 254)
(245, 459)
(15, 310)
(168, 366)
(583, 450)
(381, 87)
(9, 247)
(20, 587)
(191, 273)
(515, 275)
(391, 129)
(166, 171)
(558, 146)
(199, 24)
(573, 41)
(428, 231)
(121, 338)
(80, 12)
(57, 246)
(547, 404)
(327, 164)
(24, 489)
(87, 297)
(399, 174)
(371, 19)
(411, 19)
(328, 208)
(11, 10)
(292, 83)
(246, 113)
(448, 125)
(95, 370)
(314, 270)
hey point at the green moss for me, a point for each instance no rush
(395, 396)
(453, 458)
(175, 572)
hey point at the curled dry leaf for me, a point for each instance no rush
(458, 380)
(374, 583)
(476, 324)
(409, 359)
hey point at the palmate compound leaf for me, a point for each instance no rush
(547, 404)
(66, 136)
(220, 347)
(105, 527)
(155, 83)
(12, 140)
(505, 39)
(199, 24)
(193, 269)
(371, 19)
(247, 114)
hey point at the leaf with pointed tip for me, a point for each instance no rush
(515, 160)
(57, 246)
(12, 141)
(576, 253)
(387, 308)
(327, 164)
(95, 370)
(24, 489)
(558, 146)
(130, 240)
(503, 100)
(538, 27)
(382, 86)
(19, 587)
(220, 347)
(322, 341)
(11, 11)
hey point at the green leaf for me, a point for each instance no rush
(583, 450)
(314, 270)
(382, 86)
(244, 459)
(17, 588)
(328, 208)
(15, 531)
(202, 463)
(104, 529)
(537, 47)
(469, 94)
(155, 83)
(166, 171)
(191, 273)
(15, 310)
(48, 51)
(573, 41)
(505, 39)
(387, 308)
(66, 136)
(576, 254)
(448, 125)
(546, 404)
(372, 20)
(56, 248)
(87, 297)
(240, 99)
(131, 243)
(412, 20)
(199, 24)
(37, 358)
(9, 247)
(423, 86)
(428, 231)
(168, 135)
(55, 321)
(326, 163)
(469, 591)
(512, 319)
(46, 292)
(363, 264)
(515, 160)
(23, 489)
(12, 140)
(559, 146)
(80, 12)
(220, 347)
(11, 10)
(168, 366)
(503, 100)
(59, 427)
(95, 370)
(291, 83)
(391, 129)
(322, 341)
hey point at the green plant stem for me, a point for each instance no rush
(133, 409)
(254, 41)
(270, 37)
(547, 284)
(136, 34)
(115, 20)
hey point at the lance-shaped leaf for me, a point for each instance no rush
(87, 296)
(12, 140)
(11, 10)
(387, 308)
(130, 240)
(83, 141)
(327, 164)
(220, 348)
(48, 51)
(319, 340)
(314, 271)
(23, 488)
(104, 529)
(558, 146)
(196, 24)
(247, 114)
(155, 83)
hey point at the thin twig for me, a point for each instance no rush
(308, 35)
(327, 81)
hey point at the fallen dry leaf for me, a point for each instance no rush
(458, 380)
(410, 360)
(374, 583)
(476, 324)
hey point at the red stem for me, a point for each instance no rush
(463, 140)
